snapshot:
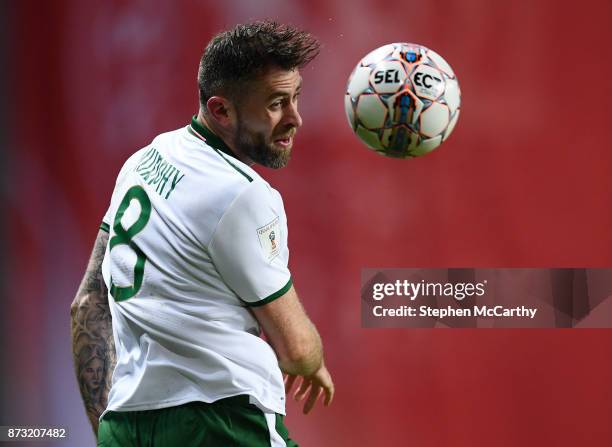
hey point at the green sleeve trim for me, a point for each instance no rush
(105, 227)
(272, 297)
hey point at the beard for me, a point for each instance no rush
(254, 146)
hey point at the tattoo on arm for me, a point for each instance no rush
(93, 347)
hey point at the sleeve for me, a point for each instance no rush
(249, 246)
(107, 219)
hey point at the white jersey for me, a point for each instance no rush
(196, 237)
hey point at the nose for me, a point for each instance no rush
(292, 116)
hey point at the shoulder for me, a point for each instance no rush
(169, 136)
(130, 163)
(257, 194)
(254, 206)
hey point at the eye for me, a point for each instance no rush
(276, 104)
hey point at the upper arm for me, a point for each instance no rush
(92, 280)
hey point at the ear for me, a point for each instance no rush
(220, 109)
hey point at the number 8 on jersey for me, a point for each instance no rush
(124, 236)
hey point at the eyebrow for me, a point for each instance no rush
(279, 94)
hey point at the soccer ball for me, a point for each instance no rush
(402, 100)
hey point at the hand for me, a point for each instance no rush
(312, 386)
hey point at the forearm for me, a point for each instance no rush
(306, 356)
(291, 334)
(93, 347)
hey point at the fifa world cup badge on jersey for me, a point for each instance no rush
(269, 237)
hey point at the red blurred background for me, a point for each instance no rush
(524, 181)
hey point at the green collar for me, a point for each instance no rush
(205, 134)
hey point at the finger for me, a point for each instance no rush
(289, 381)
(315, 392)
(301, 392)
(329, 395)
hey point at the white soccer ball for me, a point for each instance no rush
(402, 100)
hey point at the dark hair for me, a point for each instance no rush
(243, 53)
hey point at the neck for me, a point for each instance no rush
(223, 135)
